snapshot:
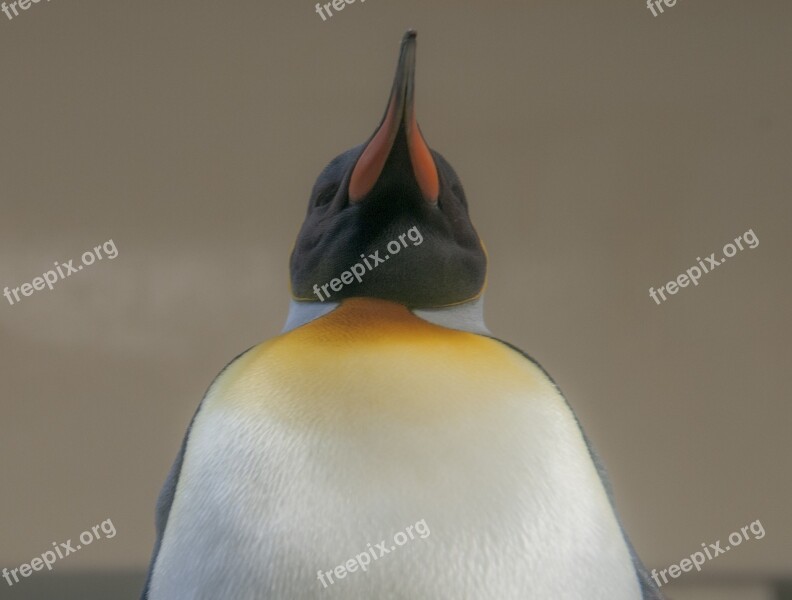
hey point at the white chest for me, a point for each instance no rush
(504, 484)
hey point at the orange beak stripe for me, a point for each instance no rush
(400, 110)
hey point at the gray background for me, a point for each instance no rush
(602, 150)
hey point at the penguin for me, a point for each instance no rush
(386, 445)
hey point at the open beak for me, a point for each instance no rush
(400, 115)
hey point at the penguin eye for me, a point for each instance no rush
(326, 195)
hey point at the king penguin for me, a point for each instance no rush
(383, 405)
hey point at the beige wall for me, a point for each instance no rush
(602, 150)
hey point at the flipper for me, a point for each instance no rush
(168, 492)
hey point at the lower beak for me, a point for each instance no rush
(400, 114)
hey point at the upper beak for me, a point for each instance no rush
(400, 114)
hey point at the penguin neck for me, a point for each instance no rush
(468, 316)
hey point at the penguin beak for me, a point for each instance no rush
(400, 115)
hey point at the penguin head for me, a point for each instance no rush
(389, 219)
